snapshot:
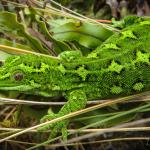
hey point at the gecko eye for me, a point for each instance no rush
(1, 63)
(18, 76)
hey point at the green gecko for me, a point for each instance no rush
(120, 66)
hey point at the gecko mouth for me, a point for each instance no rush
(16, 88)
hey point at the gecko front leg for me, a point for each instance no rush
(76, 101)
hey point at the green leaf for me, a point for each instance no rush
(86, 34)
(14, 44)
(58, 46)
(9, 24)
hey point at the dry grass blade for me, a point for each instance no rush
(10, 49)
(72, 115)
(73, 14)
(108, 130)
(89, 130)
(60, 12)
(93, 102)
(103, 121)
(101, 141)
(85, 143)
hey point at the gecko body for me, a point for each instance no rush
(118, 67)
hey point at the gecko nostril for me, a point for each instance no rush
(1, 63)
(18, 76)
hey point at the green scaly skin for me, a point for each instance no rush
(120, 66)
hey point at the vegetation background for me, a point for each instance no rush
(130, 127)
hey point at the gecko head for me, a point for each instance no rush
(24, 73)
